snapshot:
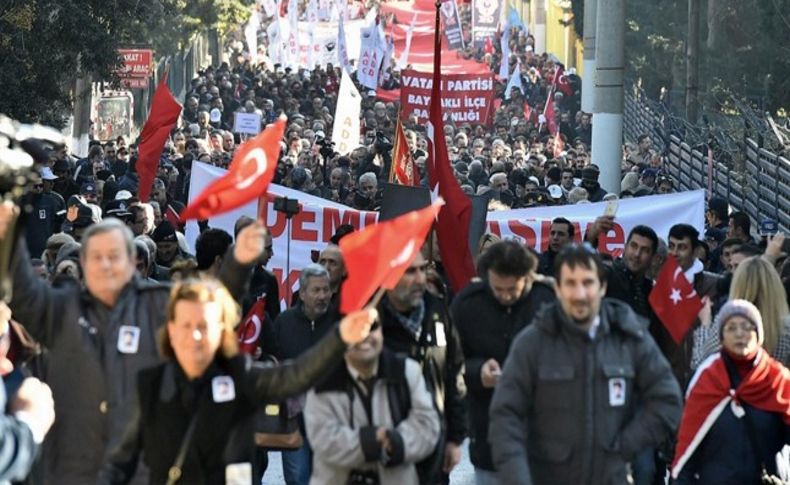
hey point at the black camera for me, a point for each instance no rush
(290, 207)
(327, 149)
(382, 144)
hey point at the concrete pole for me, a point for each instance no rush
(607, 136)
(540, 26)
(692, 62)
(588, 80)
(80, 128)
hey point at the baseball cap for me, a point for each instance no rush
(88, 188)
(123, 195)
(46, 174)
(555, 191)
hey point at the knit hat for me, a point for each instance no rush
(164, 232)
(590, 173)
(743, 309)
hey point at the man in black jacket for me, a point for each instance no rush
(561, 234)
(296, 330)
(417, 324)
(488, 315)
(626, 278)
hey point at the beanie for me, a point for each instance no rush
(743, 309)
(164, 232)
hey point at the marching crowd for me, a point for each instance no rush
(554, 366)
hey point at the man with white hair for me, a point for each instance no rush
(498, 182)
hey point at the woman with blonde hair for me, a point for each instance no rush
(194, 417)
(756, 281)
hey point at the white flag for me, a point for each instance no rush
(251, 35)
(370, 56)
(270, 7)
(345, 132)
(342, 50)
(404, 56)
(505, 66)
(291, 35)
(275, 41)
(386, 60)
(515, 81)
(312, 11)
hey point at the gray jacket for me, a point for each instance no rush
(343, 438)
(91, 380)
(571, 409)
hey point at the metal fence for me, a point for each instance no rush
(753, 179)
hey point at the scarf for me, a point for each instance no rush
(413, 321)
(766, 386)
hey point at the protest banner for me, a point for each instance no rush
(249, 123)
(452, 25)
(137, 63)
(319, 219)
(466, 98)
(485, 19)
(371, 54)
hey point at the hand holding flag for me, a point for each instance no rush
(380, 254)
(248, 177)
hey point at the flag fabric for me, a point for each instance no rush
(371, 53)
(766, 387)
(513, 18)
(346, 128)
(162, 118)
(548, 117)
(404, 56)
(342, 49)
(504, 67)
(172, 216)
(559, 144)
(251, 35)
(562, 81)
(453, 223)
(404, 170)
(674, 300)
(248, 177)
(527, 111)
(249, 331)
(378, 255)
(514, 82)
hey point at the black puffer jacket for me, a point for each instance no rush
(487, 329)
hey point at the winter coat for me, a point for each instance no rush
(343, 437)
(295, 333)
(18, 449)
(92, 381)
(574, 409)
(487, 329)
(438, 350)
(223, 433)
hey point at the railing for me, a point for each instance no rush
(756, 180)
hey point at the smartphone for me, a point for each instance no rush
(611, 208)
(768, 227)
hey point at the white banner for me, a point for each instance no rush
(342, 47)
(251, 35)
(275, 50)
(345, 132)
(291, 35)
(319, 219)
(270, 7)
(370, 55)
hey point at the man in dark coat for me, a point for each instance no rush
(590, 183)
(488, 315)
(584, 389)
(418, 324)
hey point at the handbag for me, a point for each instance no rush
(277, 429)
(176, 470)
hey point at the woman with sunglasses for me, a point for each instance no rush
(194, 422)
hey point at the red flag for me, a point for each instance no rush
(161, 120)
(562, 81)
(764, 387)
(249, 332)
(403, 170)
(559, 144)
(172, 216)
(489, 46)
(674, 300)
(452, 226)
(551, 119)
(527, 111)
(247, 179)
(380, 254)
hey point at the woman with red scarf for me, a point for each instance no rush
(737, 407)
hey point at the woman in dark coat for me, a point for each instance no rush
(208, 385)
(737, 413)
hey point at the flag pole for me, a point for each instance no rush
(374, 302)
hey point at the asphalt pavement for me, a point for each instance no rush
(463, 474)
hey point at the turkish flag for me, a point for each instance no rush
(563, 82)
(172, 216)
(674, 300)
(403, 171)
(379, 254)
(452, 226)
(248, 177)
(249, 332)
(551, 119)
(161, 121)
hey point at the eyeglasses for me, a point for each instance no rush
(745, 328)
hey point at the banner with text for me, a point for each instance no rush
(452, 25)
(485, 19)
(466, 98)
(345, 131)
(319, 218)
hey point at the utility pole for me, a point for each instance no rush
(81, 125)
(607, 135)
(692, 62)
(588, 80)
